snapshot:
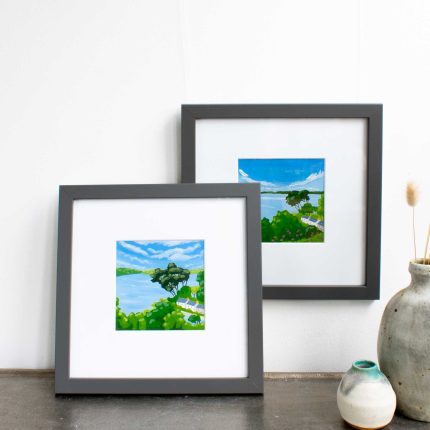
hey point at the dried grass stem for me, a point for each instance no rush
(427, 245)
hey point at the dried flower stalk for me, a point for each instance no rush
(412, 196)
(427, 245)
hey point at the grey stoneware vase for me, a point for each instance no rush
(404, 344)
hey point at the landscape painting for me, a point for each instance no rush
(160, 285)
(292, 197)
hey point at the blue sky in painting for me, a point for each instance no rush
(144, 255)
(283, 174)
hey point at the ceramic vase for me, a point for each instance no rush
(365, 397)
(404, 344)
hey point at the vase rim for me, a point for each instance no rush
(364, 365)
(417, 267)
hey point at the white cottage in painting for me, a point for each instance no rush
(191, 305)
(315, 222)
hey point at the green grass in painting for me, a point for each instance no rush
(319, 237)
(121, 271)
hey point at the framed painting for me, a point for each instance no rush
(159, 290)
(319, 167)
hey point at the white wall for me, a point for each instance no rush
(90, 92)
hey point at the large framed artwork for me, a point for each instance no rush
(159, 290)
(319, 167)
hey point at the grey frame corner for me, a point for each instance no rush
(252, 384)
(373, 115)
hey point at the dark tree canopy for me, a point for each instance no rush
(194, 318)
(171, 277)
(200, 296)
(296, 198)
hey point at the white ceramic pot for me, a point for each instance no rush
(365, 397)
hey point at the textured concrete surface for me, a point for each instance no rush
(28, 402)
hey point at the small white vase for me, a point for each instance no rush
(365, 397)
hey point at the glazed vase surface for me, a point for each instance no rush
(365, 397)
(404, 344)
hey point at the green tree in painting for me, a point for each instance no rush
(320, 209)
(121, 317)
(286, 227)
(174, 321)
(266, 230)
(296, 198)
(307, 209)
(200, 295)
(185, 292)
(200, 278)
(171, 277)
(155, 316)
(194, 318)
(164, 315)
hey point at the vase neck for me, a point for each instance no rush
(419, 281)
(420, 274)
(365, 367)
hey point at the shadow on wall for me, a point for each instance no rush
(322, 326)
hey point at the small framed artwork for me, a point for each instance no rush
(319, 167)
(159, 290)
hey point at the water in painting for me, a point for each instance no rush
(160, 285)
(292, 197)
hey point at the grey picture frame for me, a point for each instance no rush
(252, 384)
(370, 290)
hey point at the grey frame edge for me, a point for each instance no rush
(252, 384)
(373, 113)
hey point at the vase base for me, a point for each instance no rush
(413, 415)
(366, 428)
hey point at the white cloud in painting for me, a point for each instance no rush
(161, 253)
(166, 243)
(179, 242)
(265, 185)
(133, 248)
(179, 254)
(245, 177)
(185, 257)
(120, 263)
(133, 258)
(312, 178)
